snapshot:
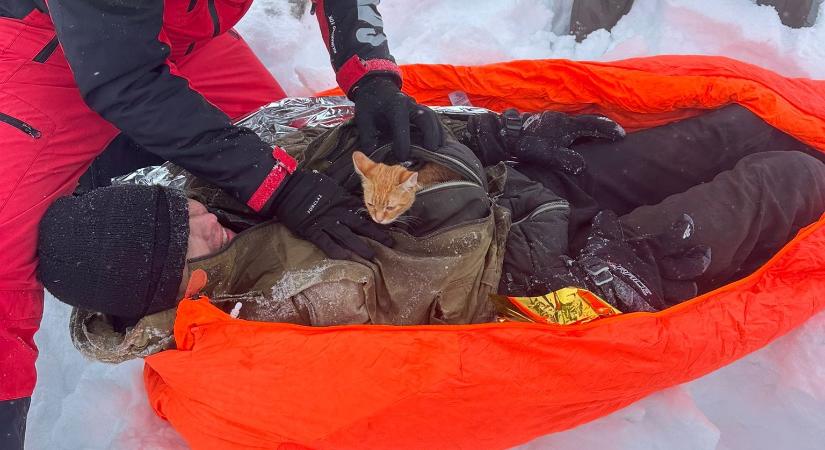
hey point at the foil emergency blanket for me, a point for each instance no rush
(285, 116)
(272, 122)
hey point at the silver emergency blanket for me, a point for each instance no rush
(285, 116)
(273, 121)
(154, 175)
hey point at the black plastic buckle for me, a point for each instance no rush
(511, 124)
(598, 271)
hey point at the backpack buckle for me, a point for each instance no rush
(511, 124)
(599, 272)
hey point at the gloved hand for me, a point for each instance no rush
(657, 271)
(381, 107)
(545, 137)
(541, 138)
(650, 273)
(679, 260)
(316, 208)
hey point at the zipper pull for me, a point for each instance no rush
(312, 8)
(197, 281)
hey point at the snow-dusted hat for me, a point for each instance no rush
(118, 250)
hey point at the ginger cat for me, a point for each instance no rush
(389, 191)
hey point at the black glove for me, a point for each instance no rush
(679, 260)
(545, 138)
(541, 139)
(380, 107)
(641, 274)
(316, 208)
(560, 130)
(655, 270)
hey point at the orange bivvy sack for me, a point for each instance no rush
(233, 384)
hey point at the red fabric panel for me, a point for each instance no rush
(355, 68)
(238, 384)
(20, 314)
(230, 76)
(196, 26)
(34, 170)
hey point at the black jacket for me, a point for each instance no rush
(123, 53)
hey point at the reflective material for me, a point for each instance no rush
(271, 122)
(285, 116)
(168, 175)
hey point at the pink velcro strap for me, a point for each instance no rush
(355, 68)
(281, 155)
(284, 165)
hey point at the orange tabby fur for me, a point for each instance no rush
(389, 191)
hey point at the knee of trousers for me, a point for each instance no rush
(792, 167)
(795, 173)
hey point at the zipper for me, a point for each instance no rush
(191, 6)
(439, 157)
(216, 24)
(20, 125)
(446, 184)
(552, 206)
(47, 51)
(461, 165)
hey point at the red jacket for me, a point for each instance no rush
(123, 58)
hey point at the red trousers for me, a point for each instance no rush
(48, 137)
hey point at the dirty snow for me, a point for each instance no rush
(774, 398)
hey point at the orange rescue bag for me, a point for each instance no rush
(233, 384)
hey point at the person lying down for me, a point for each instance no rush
(642, 222)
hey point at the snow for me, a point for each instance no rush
(774, 398)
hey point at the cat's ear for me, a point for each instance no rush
(362, 163)
(411, 183)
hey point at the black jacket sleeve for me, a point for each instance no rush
(118, 54)
(353, 32)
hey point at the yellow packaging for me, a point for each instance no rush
(565, 306)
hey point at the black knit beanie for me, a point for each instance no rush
(117, 250)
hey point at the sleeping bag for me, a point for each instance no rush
(239, 384)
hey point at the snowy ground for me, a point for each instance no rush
(772, 399)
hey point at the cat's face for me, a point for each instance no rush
(389, 191)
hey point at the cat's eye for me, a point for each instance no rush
(391, 208)
(370, 205)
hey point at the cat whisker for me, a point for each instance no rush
(400, 220)
(409, 220)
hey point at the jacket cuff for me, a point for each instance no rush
(352, 71)
(284, 166)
